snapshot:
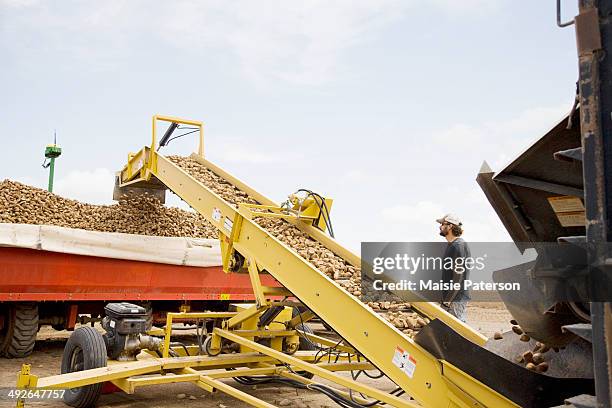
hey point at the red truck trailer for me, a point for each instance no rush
(40, 287)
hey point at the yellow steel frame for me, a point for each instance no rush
(172, 119)
(202, 371)
(170, 317)
(365, 330)
(433, 383)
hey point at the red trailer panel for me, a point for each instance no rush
(34, 275)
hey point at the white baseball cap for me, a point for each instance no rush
(451, 219)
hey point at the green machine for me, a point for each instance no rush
(52, 152)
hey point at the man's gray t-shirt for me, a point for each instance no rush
(456, 249)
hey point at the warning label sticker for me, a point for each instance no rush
(569, 211)
(216, 214)
(566, 204)
(227, 223)
(404, 361)
(572, 219)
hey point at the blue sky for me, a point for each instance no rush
(389, 107)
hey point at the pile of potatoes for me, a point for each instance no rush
(142, 214)
(345, 274)
(400, 315)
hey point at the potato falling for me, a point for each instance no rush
(141, 215)
(346, 275)
(534, 360)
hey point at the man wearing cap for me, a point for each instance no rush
(455, 300)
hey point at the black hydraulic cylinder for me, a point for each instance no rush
(166, 137)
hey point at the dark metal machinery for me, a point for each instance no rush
(594, 42)
(574, 160)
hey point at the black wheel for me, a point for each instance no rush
(207, 347)
(305, 344)
(84, 350)
(18, 336)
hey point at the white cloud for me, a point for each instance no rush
(467, 7)
(95, 186)
(18, 3)
(357, 176)
(294, 42)
(240, 152)
(497, 141)
(291, 42)
(422, 210)
(410, 222)
(445, 180)
(417, 222)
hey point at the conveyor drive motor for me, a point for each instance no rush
(126, 327)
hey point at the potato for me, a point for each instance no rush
(544, 348)
(538, 358)
(527, 357)
(517, 330)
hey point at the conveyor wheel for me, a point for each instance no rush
(19, 328)
(306, 344)
(207, 344)
(84, 350)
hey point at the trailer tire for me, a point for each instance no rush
(207, 345)
(306, 344)
(18, 338)
(84, 350)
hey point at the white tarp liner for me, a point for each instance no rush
(167, 250)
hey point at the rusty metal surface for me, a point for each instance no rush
(588, 39)
(595, 84)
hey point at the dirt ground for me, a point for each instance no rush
(484, 317)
